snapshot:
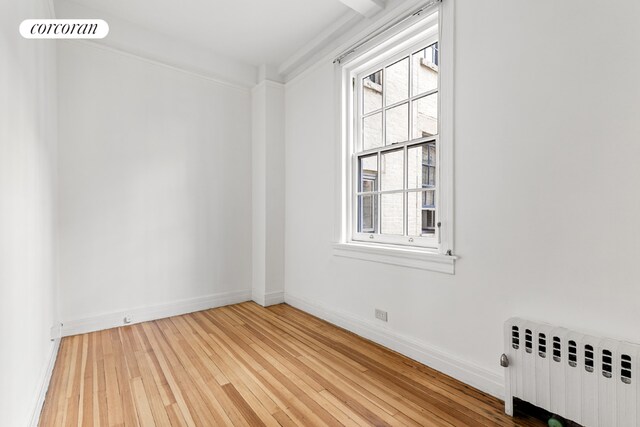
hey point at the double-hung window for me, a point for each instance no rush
(396, 156)
(397, 133)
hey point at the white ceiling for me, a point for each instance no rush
(251, 31)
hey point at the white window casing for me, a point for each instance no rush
(426, 251)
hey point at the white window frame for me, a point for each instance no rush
(358, 75)
(428, 253)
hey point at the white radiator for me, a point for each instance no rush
(590, 380)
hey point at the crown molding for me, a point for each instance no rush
(194, 74)
(130, 38)
(345, 32)
(318, 43)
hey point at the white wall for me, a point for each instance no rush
(155, 184)
(546, 188)
(27, 211)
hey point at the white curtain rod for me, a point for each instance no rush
(387, 27)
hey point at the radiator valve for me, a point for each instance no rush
(504, 361)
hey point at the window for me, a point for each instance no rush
(396, 134)
(396, 148)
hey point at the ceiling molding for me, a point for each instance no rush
(95, 45)
(366, 8)
(269, 73)
(345, 34)
(128, 37)
(338, 28)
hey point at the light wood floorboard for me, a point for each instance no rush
(254, 366)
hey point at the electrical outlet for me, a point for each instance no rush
(381, 314)
(127, 319)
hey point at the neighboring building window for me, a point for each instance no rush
(396, 148)
(369, 206)
(429, 182)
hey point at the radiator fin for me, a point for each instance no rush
(588, 358)
(557, 349)
(542, 345)
(625, 368)
(515, 337)
(607, 363)
(573, 354)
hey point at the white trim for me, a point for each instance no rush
(316, 54)
(43, 384)
(271, 298)
(267, 83)
(462, 370)
(302, 56)
(342, 183)
(366, 8)
(403, 37)
(149, 44)
(446, 191)
(392, 26)
(160, 311)
(210, 78)
(403, 256)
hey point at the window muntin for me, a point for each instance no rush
(397, 124)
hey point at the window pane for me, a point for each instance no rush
(397, 124)
(368, 213)
(425, 70)
(392, 170)
(421, 220)
(372, 92)
(368, 173)
(425, 116)
(428, 199)
(397, 81)
(372, 131)
(421, 165)
(391, 217)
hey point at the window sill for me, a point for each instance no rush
(423, 259)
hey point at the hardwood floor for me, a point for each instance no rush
(247, 365)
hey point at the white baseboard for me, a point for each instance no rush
(43, 384)
(271, 298)
(439, 360)
(144, 314)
